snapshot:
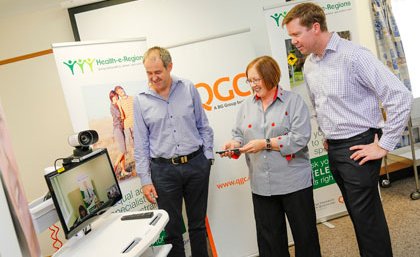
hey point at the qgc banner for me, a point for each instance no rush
(216, 65)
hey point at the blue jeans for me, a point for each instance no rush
(191, 182)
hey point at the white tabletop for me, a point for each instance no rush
(110, 236)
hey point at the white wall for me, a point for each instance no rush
(30, 90)
(31, 95)
(32, 99)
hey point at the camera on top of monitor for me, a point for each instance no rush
(81, 142)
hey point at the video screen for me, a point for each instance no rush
(83, 190)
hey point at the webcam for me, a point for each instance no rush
(83, 138)
(82, 142)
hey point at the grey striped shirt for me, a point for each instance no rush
(287, 119)
(346, 86)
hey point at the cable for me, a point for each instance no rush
(65, 161)
(55, 162)
(54, 233)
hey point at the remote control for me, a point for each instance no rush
(135, 216)
(234, 150)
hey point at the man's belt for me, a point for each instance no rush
(368, 132)
(179, 159)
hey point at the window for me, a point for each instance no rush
(405, 13)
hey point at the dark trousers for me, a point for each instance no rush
(270, 220)
(189, 181)
(359, 187)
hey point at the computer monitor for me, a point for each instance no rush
(83, 190)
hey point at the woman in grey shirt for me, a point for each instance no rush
(272, 129)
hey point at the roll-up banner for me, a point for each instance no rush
(217, 67)
(89, 72)
(341, 19)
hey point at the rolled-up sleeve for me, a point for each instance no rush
(395, 97)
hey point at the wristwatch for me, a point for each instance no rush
(267, 144)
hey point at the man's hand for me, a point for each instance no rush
(253, 146)
(368, 152)
(150, 193)
(325, 143)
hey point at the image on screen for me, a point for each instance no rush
(83, 191)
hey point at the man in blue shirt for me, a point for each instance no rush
(173, 150)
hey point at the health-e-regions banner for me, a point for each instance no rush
(341, 19)
(91, 74)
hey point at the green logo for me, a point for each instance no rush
(336, 6)
(84, 65)
(80, 65)
(277, 16)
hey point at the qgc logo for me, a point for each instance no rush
(71, 64)
(230, 91)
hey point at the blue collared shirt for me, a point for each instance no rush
(346, 85)
(288, 120)
(169, 128)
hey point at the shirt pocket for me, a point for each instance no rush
(280, 125)
(250, 131)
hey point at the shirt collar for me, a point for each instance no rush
(331, 46)
(333, 43)
(149, 91)
(278, 94)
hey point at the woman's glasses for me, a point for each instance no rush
(253, 81)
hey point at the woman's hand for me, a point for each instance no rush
(253, 146)
(232, 144)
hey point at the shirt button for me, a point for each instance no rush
(265, 157)
(174, 130)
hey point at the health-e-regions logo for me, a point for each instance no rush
(82, 65)
(328, 8)
(338, 6)
(276, 17)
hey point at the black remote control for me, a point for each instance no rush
(136, 216)
(234, 150)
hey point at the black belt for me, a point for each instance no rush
(179, 159)
(368, 132)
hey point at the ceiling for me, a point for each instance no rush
(15, 7)
(10, 8)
